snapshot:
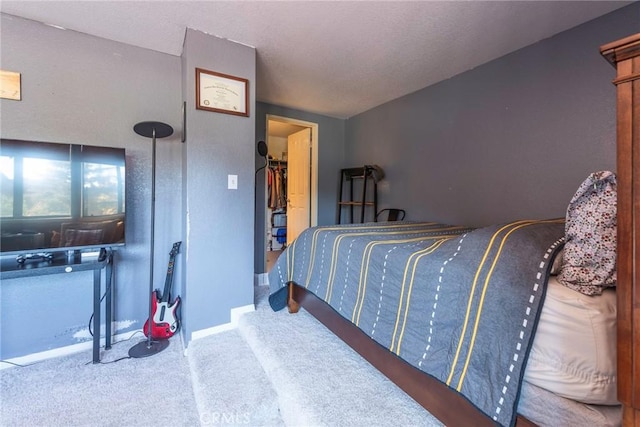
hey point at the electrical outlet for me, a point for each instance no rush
(233, 182)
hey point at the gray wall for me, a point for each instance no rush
(86, 90)
(331, 142)
(82, 89)
(219, 221)
(507, 140)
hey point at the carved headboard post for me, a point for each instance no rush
(624, 54)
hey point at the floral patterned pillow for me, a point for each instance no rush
(589, 261)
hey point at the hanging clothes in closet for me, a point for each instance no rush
(277, 179)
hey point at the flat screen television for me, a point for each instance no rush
(60, 197)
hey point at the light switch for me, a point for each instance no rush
(233, 182)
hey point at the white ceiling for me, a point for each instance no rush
(337, 58)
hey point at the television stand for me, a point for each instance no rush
(63, 264)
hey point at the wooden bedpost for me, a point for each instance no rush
(624, 54)
(292, 304)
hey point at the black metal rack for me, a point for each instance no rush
(349, 175)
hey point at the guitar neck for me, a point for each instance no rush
(169, 280)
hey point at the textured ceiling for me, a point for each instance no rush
(337, 58)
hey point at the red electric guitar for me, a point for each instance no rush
(164, 320)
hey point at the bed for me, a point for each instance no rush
(397, 282)
(383, 287)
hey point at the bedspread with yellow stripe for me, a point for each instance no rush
(460, 304)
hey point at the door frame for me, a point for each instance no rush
(314, 167)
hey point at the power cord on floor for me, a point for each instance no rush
(110, 362)
(122, 358)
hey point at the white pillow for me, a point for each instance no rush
(574, 349)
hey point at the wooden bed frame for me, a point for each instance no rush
(442, 402)
(450, 407)
(624, 54)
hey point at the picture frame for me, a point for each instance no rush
(10, 85)
(222, 93)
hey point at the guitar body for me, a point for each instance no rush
(164, 321)
(164, 318)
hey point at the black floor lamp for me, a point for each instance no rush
(151, 130)
(263, 150)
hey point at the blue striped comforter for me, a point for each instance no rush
(460, 304)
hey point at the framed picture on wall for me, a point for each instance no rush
(222, 93)
(10, 85)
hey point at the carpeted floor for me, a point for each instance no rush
(71, 391)
(275, 369)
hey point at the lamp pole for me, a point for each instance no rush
(151, 130)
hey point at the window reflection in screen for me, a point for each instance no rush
(101, 189)
(47, 187)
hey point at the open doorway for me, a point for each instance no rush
(292, 184)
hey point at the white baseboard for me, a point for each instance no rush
(261, 279)
(65, 351)
(237, 312)
(234, 316)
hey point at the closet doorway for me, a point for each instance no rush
(292, 184)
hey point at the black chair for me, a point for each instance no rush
(392, 214)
